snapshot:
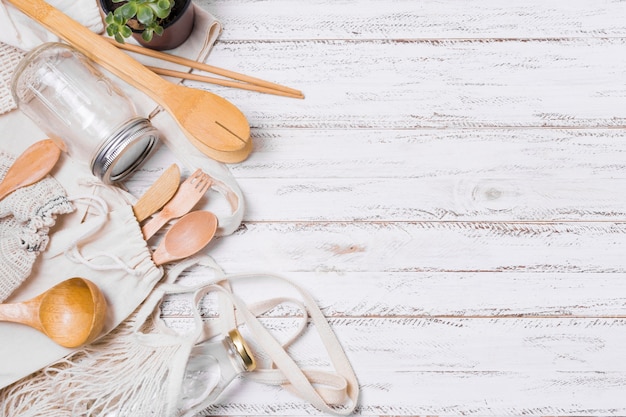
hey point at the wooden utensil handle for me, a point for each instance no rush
(86, 41)
(154, 224)
(23, 313)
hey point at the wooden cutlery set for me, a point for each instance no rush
(194, 229)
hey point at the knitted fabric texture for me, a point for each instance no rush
(9, 58)
(26, 216)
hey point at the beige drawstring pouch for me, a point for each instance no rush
(100, 241)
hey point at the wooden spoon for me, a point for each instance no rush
(31, 166)
(186, 237)
(159, 193)
(71, 313)
(214, 125)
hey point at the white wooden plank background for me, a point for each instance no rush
(451, 191)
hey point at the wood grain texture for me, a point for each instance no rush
(411, 84)
(451, 191)
(404, 19)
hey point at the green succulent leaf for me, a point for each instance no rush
(162, 13)
(111, 30)
(145, 14)
(162, 8)
(147, 35)
(109, 18)
(119, 38)
(128, 11)
(119, 20)
(126, 31)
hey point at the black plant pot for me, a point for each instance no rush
(177, 27)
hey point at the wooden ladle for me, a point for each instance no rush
(71, 313)
(186, 237)
(31, 166)
(214, 125)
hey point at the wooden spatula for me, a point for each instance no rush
(214, 125)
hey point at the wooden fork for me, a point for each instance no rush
(187, 196)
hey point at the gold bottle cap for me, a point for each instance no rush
(243, 349)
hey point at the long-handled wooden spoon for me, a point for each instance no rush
(71, 313)
(31, 166)
(159, 193)
(186, 237)
(214, 125)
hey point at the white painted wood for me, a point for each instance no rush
(424, 247)
(451, 191)
(433, 154)
(442, 294)
(408, 19)
(469, 199)
(429, 175)
(401, 84)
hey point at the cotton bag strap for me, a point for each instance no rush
(334, 392)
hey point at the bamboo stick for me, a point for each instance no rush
(206, 67)
(222, 82)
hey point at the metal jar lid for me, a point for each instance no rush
(125, 150)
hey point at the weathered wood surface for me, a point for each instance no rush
(451, 191)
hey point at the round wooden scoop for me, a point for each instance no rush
(71, 313)
(31, 166)
(186, 237)
(214, 125)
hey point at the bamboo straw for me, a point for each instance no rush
(206, 67)
(222, 82)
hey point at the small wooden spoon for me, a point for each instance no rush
(186, 237)
(71, 313)
(159, 193)
(214, 125)
(31, 166)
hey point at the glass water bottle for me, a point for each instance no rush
(88, 116)
(211, 368)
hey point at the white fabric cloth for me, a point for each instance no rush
(21, 32)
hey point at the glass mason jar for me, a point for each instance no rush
(211, 367)
(83, 111)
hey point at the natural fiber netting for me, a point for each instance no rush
(9, 58)
(115, 376)
(26, 216)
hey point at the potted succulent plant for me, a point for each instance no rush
(156, 24)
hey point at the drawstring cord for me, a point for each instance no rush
(73, 251)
